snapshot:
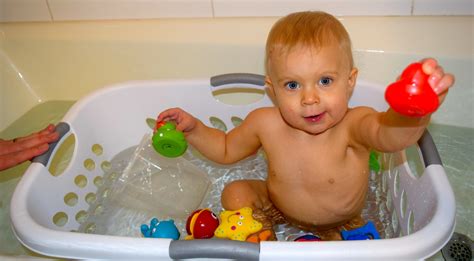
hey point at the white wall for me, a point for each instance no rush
(67, 10)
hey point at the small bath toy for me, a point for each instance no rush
(366, 232)
(201, 224)
(160, 229)
(412, 95)
(237, 225)
(307, 238)
(264, 235)
(374, 164)
(168, 141)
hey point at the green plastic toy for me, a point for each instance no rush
(374, 164)
(168, 141)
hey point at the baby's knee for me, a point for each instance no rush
(238, 194)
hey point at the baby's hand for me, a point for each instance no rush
(185, 122)
(438, 79)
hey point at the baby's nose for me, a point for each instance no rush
(310, 96)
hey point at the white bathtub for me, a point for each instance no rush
(45, 62)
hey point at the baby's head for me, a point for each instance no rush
(309, 29)
(310, 70)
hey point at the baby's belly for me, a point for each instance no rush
(322, 207)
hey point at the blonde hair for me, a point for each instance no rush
(312, 29)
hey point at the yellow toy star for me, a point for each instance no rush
(237, 225)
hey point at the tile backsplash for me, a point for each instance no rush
(74, 10)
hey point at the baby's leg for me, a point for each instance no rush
(254, 194)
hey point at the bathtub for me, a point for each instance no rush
(48, 66)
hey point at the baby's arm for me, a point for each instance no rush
(390, 131)
(216, 145)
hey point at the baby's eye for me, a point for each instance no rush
(292, 85)
(325, 81)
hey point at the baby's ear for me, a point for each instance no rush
(352, 81)
(269, 88)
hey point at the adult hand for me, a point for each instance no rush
(19, 150)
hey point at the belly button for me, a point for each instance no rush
(331, 181)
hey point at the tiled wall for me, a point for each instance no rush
(70, 10)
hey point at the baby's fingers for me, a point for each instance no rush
(169, 114)
(444, 84)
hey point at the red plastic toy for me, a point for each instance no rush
(412, 95)
(201, 224)
(158, 125)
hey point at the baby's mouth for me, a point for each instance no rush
(314, 118)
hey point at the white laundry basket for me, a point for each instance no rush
(114, 118)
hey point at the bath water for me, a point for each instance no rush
(108, 217)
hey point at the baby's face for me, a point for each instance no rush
(311, 88)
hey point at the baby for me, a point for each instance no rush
(317, 148)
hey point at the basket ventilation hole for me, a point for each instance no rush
(411, 223)
(89, 164)
(391, 165)
(97, 149)
(384, 182)
(238, 94)
(218, 123)
(106, 165)
(150, 123)
(81, 216)
(396, 182)
(113, 176)
(91, 198)
(98, 181)
(236, 121)
(414, 161)
(80, 181)
(70, 199)
(62, 157)
(60, 219)
(389, 201)
(394, 221)
(403, 203)
(98, 210)
(105, 193)
(90, 228)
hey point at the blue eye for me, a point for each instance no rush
(325, 81)
(292, 85)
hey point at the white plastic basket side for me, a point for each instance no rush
(114, 118)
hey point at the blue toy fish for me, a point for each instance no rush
(160, 229)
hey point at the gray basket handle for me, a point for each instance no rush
(213, 248)
(62, 128)
(230, 78)
(429, 150)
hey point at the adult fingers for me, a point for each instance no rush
(49, 129)
(15, 158)
(24, 144)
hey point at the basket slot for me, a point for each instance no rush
(62, 128)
